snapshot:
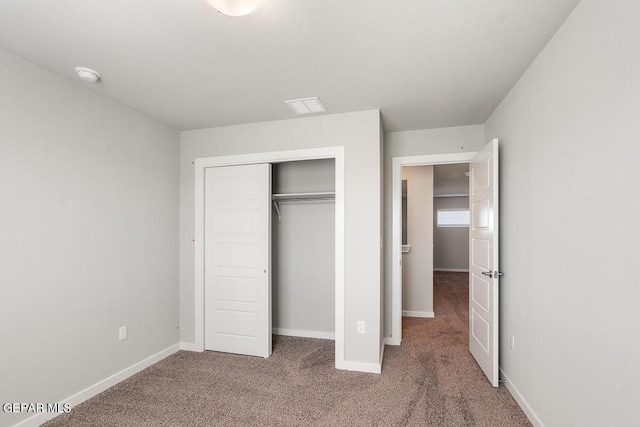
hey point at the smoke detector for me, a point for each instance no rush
(87, 74)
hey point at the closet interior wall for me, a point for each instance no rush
(303, 250)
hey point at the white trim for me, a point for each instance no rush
(305, 334)
(530, 413)
(382, 352)
(452, 270)
(391, 341)
(336, 153)
(396, 240)
(339, 263)
(372, 368)
(99, 387)
(189, 346)
(410, 313)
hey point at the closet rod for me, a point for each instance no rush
(290, 197)
(304, 196)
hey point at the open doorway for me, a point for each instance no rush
(399, 163)
(303, 248)
(435, 233)
(417, 254)
(451, 218)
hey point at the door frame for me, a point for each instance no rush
(336, 153)
(396, 239)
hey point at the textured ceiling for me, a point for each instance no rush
(423, 63)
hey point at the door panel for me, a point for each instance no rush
(481, 211)
(237, 323)
(236, 221)
(236, 255)
(240, 289)
(481, 253)
(483, 263)
(480, 330)
(481, 178)
(480, 292)
(237, 291)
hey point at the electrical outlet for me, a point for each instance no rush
(512, 343)
(361, 326)
(122, 333)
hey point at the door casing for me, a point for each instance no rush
(396, 240)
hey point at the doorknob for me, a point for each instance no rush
(493, 274)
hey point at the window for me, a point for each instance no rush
(453, 218)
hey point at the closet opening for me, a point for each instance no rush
(292, 170)
(303, 248)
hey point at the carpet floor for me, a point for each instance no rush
(430, 380)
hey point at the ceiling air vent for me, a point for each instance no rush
(306, 106)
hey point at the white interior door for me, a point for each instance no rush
(483, 264)
(237, 285)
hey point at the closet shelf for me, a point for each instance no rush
(304, 196)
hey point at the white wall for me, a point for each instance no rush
(303, 255)
(414, 143)
(89, 235)
(359, 134)
(450, 244)
(570, 203)
(417, 265)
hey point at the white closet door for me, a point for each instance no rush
(237, 259)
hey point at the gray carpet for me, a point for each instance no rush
(430, 380)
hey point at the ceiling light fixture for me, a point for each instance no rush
(87, 74)
(234, 7)
(306, 105)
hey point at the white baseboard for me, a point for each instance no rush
(100, 386)
(392, 341)
(409, 313)
(452, 270)
(305, 334)
(521, 401)
(189, 346)
(372, 368)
